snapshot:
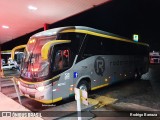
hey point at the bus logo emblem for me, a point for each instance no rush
(99, 66)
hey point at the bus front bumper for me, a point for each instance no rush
(44, 95)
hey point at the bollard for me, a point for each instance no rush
(17, 91)
(78, 99)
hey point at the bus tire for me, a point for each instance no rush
(83, 85)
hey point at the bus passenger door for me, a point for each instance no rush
(60, 65)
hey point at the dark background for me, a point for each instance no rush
(122, 17)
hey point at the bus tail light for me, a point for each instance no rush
(40, 88)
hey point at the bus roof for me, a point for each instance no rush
(101, 33)
(51, 32)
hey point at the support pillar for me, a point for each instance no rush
(46, 26)
(1, 70)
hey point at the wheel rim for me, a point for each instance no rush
(83, 87)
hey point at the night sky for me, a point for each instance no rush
(122, 17)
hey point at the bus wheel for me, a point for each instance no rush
(83, 85)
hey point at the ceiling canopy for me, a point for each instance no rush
(19, 17)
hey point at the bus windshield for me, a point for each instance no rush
(33, 66)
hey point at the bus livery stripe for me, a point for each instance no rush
(54, 78)
(103, 35)
(97, 87)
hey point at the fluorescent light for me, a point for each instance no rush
(32, 7)
(5, 26)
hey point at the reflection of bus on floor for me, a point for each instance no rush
(154, 57)
(57, 60)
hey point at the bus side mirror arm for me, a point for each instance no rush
(16, 48)
(46, 47)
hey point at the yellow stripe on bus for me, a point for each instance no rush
(97, 87)
(38, 82)
(50, 101)
(103, 35)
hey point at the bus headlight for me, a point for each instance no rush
(18, 83)
(40, 88)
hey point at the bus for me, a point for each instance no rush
(60, 59)
(154, 57)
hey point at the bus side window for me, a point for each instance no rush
(93, 46)
(61, 60)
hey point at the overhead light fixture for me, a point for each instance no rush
(5, 26)
(30, 7)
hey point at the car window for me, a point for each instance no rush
(5, 65)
